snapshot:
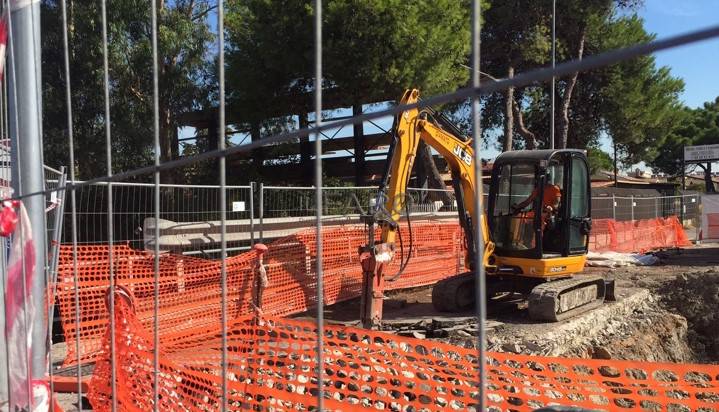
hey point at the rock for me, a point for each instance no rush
(512, 347)
(599, 352)
(531, 346)
(441, 323)
(412, 333)
(609, 372)
(418, 335)
(440, 333)
(634, 373)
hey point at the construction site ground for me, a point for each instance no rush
(663, 313)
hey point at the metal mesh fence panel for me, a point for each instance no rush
(184, 209)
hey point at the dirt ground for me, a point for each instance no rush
(666, 312)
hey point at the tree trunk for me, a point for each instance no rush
(258, 155)
(428, 170)
(508, 114)
(563, 121)
(530, 139)
(359, 150)
(167, 135)
(708, 179)
(166, 142)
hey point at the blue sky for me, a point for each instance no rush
(697, 64)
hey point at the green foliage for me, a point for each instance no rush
(694, 127)
(599, 160)
(182, 41)
(372, 50)
(640, 101)
(634, 102)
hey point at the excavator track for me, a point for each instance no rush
(455, 294)
(562, 299)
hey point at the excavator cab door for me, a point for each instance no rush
(579, 222)
(566, 227)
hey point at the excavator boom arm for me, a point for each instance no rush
(411, 127)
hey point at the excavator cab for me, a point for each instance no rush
(539, 207)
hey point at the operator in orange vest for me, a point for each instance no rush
(550, 202)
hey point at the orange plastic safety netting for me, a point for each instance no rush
(272, 366)
(189, 287)
(637, 236)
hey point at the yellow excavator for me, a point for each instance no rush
(535, 229)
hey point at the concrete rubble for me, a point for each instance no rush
(610, 332)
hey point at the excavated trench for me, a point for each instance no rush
(695, 296)
(659, 316)
(665, 313)
(637, 327)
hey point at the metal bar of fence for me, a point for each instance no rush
(42, 355)
(162, 185)
(322, 188)
(480, 286)
(52, 281)
(262, 212)
(73, 202)
(156, 260)
(4, 348)
(223, 194)
(252, 213)
(698, 215)
(108, 151)
(614, 207)
(25, 132)
(318, 200)
(4, 356)
(57, 234)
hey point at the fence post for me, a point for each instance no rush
(614, 207)
(4, 396)
(682, 209)
(25, 131)
(697, 219)
(632, 208)
(252, 213)
(262, 211)
(325, 206)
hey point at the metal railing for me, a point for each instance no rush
(289, 201)
(254, 209)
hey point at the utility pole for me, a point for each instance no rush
(554, 50)
(25, 126)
